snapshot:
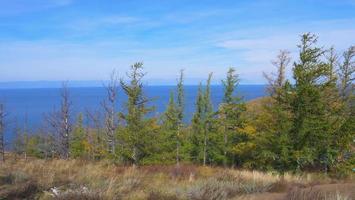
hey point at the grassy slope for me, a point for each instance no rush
(75, 179)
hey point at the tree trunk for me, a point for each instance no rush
(205, 149)
(178, 148)
(134, 157)
(225, 147)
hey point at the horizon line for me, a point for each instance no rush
(90, 83)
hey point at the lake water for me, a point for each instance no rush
(31, 104)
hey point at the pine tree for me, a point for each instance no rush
(169, 132)
(197, 127)
(230, 113)
(180, 115)
(202, 123)
(138, 126)
(311, 107)
(208, 116)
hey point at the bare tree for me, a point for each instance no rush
(347, 73)
(111, 116)
(60, 121)
(2, 131)
(276, 81)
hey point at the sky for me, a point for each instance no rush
(81, 40)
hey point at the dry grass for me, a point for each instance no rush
(309, 194)
(76, 179)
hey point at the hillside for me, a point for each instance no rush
(76, 179)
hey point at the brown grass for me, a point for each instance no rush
(77, 179)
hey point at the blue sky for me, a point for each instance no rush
(85, 40)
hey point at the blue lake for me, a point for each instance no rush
(28, 106)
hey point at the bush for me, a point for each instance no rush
(24, 190)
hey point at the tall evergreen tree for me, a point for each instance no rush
(311, 107)
(169, 135)
(137, 123)
(202, 123)
(230, 112)
(180, 115)
(208, 116)
(197, 127)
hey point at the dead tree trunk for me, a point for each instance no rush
(109, 106)
(65, 120)
(60, 122)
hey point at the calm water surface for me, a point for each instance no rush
(28, 106)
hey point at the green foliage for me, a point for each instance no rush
(304, 125)
(140, 131)
(32, 147)
(312, 102)
(168, 133)
(230, 119)
(77, 143)
(203, 123)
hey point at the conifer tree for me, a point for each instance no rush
(202, 123)
(180, 115)
(137, 124)
(169, 135)
(230, 112)
(311, 107)
(208, 115)
(197, 127)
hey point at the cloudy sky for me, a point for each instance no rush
(84, 40)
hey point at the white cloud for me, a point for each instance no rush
(257, 47)
(101, 22)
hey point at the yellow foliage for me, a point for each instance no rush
(248, 130)
(244, 148)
